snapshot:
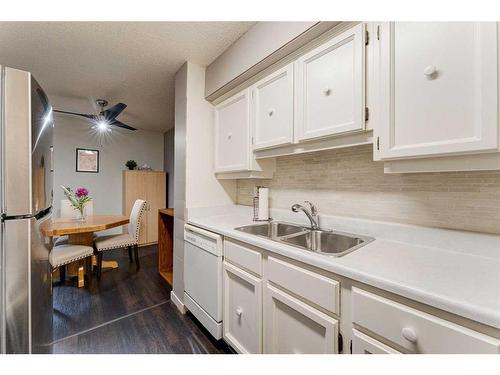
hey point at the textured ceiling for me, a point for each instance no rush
(130, 62)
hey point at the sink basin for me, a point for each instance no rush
(272, 230)
(327, 242)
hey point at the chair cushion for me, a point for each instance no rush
(64, 254)
(114, 241)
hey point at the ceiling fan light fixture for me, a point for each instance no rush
(103, 126)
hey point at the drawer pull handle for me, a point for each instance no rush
(239, 311)
(430, 71)
(270, 112)
(229, 136)
(409, 334)
(327, 91)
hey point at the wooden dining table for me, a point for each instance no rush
(82, 233)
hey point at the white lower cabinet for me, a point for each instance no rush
(242, 319)
(364, 344)
(293, 327)
(414, 330)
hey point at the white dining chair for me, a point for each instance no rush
(126, 240)
(64, 254)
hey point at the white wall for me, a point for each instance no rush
(168, 163)
(202, 188)
(195, 184)
(105, 187)
(179, 183)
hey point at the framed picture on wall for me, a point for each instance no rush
(87, 160)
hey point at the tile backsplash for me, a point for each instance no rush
(348, 182)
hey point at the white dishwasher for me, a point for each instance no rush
(203, 277)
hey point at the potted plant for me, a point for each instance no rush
(78, 200)
(131, 164)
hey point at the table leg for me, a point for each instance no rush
(81, 279)
(105, 263)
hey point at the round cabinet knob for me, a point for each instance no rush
(409, 334)
(229, 135)
(327, 91)
(430, 71)
(239, 311)
(270, 112)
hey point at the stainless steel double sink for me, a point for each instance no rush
(325, 242)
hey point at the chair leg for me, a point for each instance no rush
(88, 268)
(136, 253)
(130, 254)
(99, 264)
(62, 273)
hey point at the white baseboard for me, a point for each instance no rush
(178, 303)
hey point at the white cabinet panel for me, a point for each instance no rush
(318, 289)
(273, 109)
(232, 134)
(243, 256)
(330, 87)
(364, 344)
(242, 319)
(291, 326)
(438, 88)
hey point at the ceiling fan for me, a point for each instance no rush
(105, 118)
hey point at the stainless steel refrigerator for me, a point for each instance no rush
(26, 180)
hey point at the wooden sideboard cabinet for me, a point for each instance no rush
(150, 186)
(166, 244)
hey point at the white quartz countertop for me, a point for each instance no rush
(455, 271)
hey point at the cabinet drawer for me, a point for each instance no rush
(364, 344)
(243, 256)
(315, 288)
(414, 330)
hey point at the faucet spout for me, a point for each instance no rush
(312, 213)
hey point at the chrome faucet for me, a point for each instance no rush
(311, 213)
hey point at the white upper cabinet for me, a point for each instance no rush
(437, 89)
(273, 109)
(329, 96)
(232, 134)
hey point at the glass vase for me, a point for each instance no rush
(80, 215)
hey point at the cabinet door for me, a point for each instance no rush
(242, 319)
(438, 88)
(273, 109)
(156, 189)
(364, 344)
(232, 134)
(291, 326)
(330, 87)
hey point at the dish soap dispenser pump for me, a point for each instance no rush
(261, 204)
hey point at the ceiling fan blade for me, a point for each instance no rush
(111, 113)
(122, 125)
(74, 113)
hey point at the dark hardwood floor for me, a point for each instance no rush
(126, 312)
